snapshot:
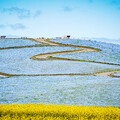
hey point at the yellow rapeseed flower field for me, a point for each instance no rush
(57, 112)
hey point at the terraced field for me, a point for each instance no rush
(63, 72)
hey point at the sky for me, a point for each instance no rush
(55, 18)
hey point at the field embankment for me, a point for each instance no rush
(49, 56)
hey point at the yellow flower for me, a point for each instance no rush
(57, 112)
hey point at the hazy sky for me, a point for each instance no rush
(50, 18)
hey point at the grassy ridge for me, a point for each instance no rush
(59, 112)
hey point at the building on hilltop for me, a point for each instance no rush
(23, 37)
(67, 37)
(2, 37)
(58, 37)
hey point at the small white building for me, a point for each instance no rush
(67, 37)
(58, 37)
(23, 37)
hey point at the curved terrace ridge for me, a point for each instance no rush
(48, 56)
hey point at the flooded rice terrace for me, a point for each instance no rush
(58, 81)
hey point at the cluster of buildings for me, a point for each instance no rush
(3, 37)
(23, 37)
(65, 37)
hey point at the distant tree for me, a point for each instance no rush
(68, 36)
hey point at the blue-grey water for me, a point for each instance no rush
(68, 90)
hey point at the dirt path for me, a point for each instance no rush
(107, 74)
(44, 41)
(2, 76)
(48, 56)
